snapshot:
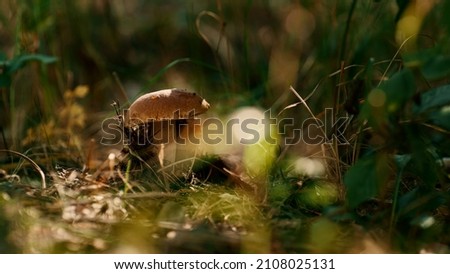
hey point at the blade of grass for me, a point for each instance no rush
(402, 161)
(346, 31)
(36, 166)
(172, 64)
(393, 59)
(121, 88)
(313, 116)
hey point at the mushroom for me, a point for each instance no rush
(159, 118)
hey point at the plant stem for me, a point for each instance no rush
(346, 31)
(395, 201)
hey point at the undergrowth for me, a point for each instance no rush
(378, 183)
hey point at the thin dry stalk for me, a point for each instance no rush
(33, 163)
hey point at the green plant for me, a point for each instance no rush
(391, 78)
(404, 120)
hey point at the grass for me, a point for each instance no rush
(63, 64)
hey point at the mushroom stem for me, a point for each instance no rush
(188, 142)
(155, 124)
(141, 142)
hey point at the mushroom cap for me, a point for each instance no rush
(166, 104)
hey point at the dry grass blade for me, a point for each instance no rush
(150, 195)
(123, 93)
(338, 72)
(215, 17)
(36, 166)
(312, 114)
(393, 59)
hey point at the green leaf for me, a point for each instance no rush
(9, 67)
(441, 117)
(402, 160)
(366, 178)
(436, 68)
(418, 201)
(424, 163)
(318, 194)
(399, 89)
(434, 107)
(433, 99)
(19, 61)
(434, 63)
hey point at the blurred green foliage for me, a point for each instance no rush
(391, 180)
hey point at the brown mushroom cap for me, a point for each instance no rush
(167, 104)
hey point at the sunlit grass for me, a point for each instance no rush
(62, 65)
